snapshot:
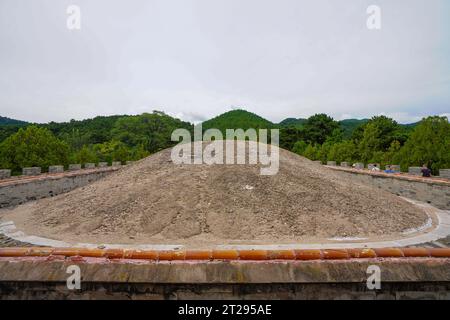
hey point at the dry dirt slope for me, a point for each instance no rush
(156, 201)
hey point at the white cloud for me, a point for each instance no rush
(198, 58)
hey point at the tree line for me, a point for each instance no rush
(380, 140)
(121, 138)
(102, 139)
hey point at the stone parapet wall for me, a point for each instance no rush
(435, 191)
(18, 190)
(401, 278)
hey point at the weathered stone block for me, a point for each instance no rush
(89, 165)
(129, 162)
(318, 161)
(444, 173)
(331, 163)
(31, 171)
(74, 167)
(5, 173)
(102, 164)
(56, 169)
(116, 163)
(393, 167)
(371, 166)
(345, 164)
(415, 171)
(359, 165)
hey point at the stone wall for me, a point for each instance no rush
(194, 291)
(18, 191)
(433, 191)
(404, 278)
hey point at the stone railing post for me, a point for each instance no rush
(444, 173)
(56, 169)
(331, 163)
(89, 165)
(416, 171)
(370, 166)
(393, 167)
(359, 165)
(74, 167)
(5, 173)
(31, 171)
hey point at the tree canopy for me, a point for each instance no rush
(318, 127)
(124, 137)
(32, 146)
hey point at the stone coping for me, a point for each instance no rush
(336, 268)
(50, 176)
(210, 255)
(401, 176)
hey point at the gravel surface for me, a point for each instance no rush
(157, 201)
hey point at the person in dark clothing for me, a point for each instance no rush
(425, 171)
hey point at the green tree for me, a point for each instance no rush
(289, 136)
(85, 155)
(311, 152)
(323, 151)
(390, 155)
(300, 147)
(370, 142)
(32, 146)
(429, 144)
(342, 151)
(319, 127)
(151, 130)
(138, 152)
(387, 130)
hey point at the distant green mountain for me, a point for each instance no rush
(5, 120)
(293, 122)
(348, 125)
(238, 119)
(410, 126)
(147, 129)
(10, 126)
(102, 128)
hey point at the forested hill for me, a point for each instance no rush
(349, 125)
(320, 137)
(101, 129)
(9, 126)
(8, 121)
(111, 138)
(237, 119)
(293, 122)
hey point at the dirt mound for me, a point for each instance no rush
(157, 201)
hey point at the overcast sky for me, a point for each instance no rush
(197, 59)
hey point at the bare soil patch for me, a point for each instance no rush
(157, 201)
